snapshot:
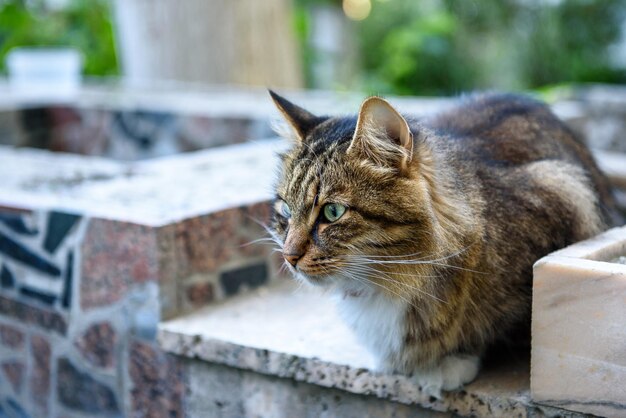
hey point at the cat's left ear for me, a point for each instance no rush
(382, 135)
(302, 121)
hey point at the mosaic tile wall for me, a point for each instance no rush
(81, 299)
(38, 259)
(124, 135)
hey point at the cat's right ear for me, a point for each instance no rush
(302, 121)
(382, 136)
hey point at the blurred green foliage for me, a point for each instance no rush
(427, 47)
(434, 47)
(82, 24)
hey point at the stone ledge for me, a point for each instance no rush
(154, 192)
(183, 221)
(297, 334)
(106, 249)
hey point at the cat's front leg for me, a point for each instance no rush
(450, 374)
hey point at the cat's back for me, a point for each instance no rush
(516, 147)
(508, 130)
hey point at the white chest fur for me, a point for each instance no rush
(380, 324)
(377, 320)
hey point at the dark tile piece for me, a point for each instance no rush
(66, 298)
(14, 410)
(81, 392)
(7, 281)
(28, 314)
(158, 382)
(15, 222)
(97, 345)
(14, 372)
(38, 295)
(252, 276)
(140, 126)
(18, 252)
(40, 374)
(36, 125)
(59, 224)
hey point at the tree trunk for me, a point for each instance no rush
(208, 41)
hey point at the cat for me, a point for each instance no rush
(428, 231)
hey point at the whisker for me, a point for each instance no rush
(365, 281)
(310, 147)
(426, 262)
(396, 273)
(363, 269)
(264, 240)
(421, 259)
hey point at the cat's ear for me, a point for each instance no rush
(302, 121)
(382, 135)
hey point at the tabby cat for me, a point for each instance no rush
(428, 231)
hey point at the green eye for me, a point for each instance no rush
(284, 210)
(334, 211)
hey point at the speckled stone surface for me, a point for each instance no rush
(296, 333)
(158, 382)
(116, 255)
(40, 376)
(234, 393)
(154, 192)
(97, 345)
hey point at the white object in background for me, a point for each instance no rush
(43, 71)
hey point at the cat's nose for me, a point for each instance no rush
(292, 258)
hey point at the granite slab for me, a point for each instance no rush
(152, 192)
(579, 327)
(296, 333)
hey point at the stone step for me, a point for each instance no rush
(94, 252)
(153, 192)
(282, 349)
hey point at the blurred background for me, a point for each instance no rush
(401, 47)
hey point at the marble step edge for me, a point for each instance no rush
(484, 398)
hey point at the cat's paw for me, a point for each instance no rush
(459, 370)
(452, 373)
